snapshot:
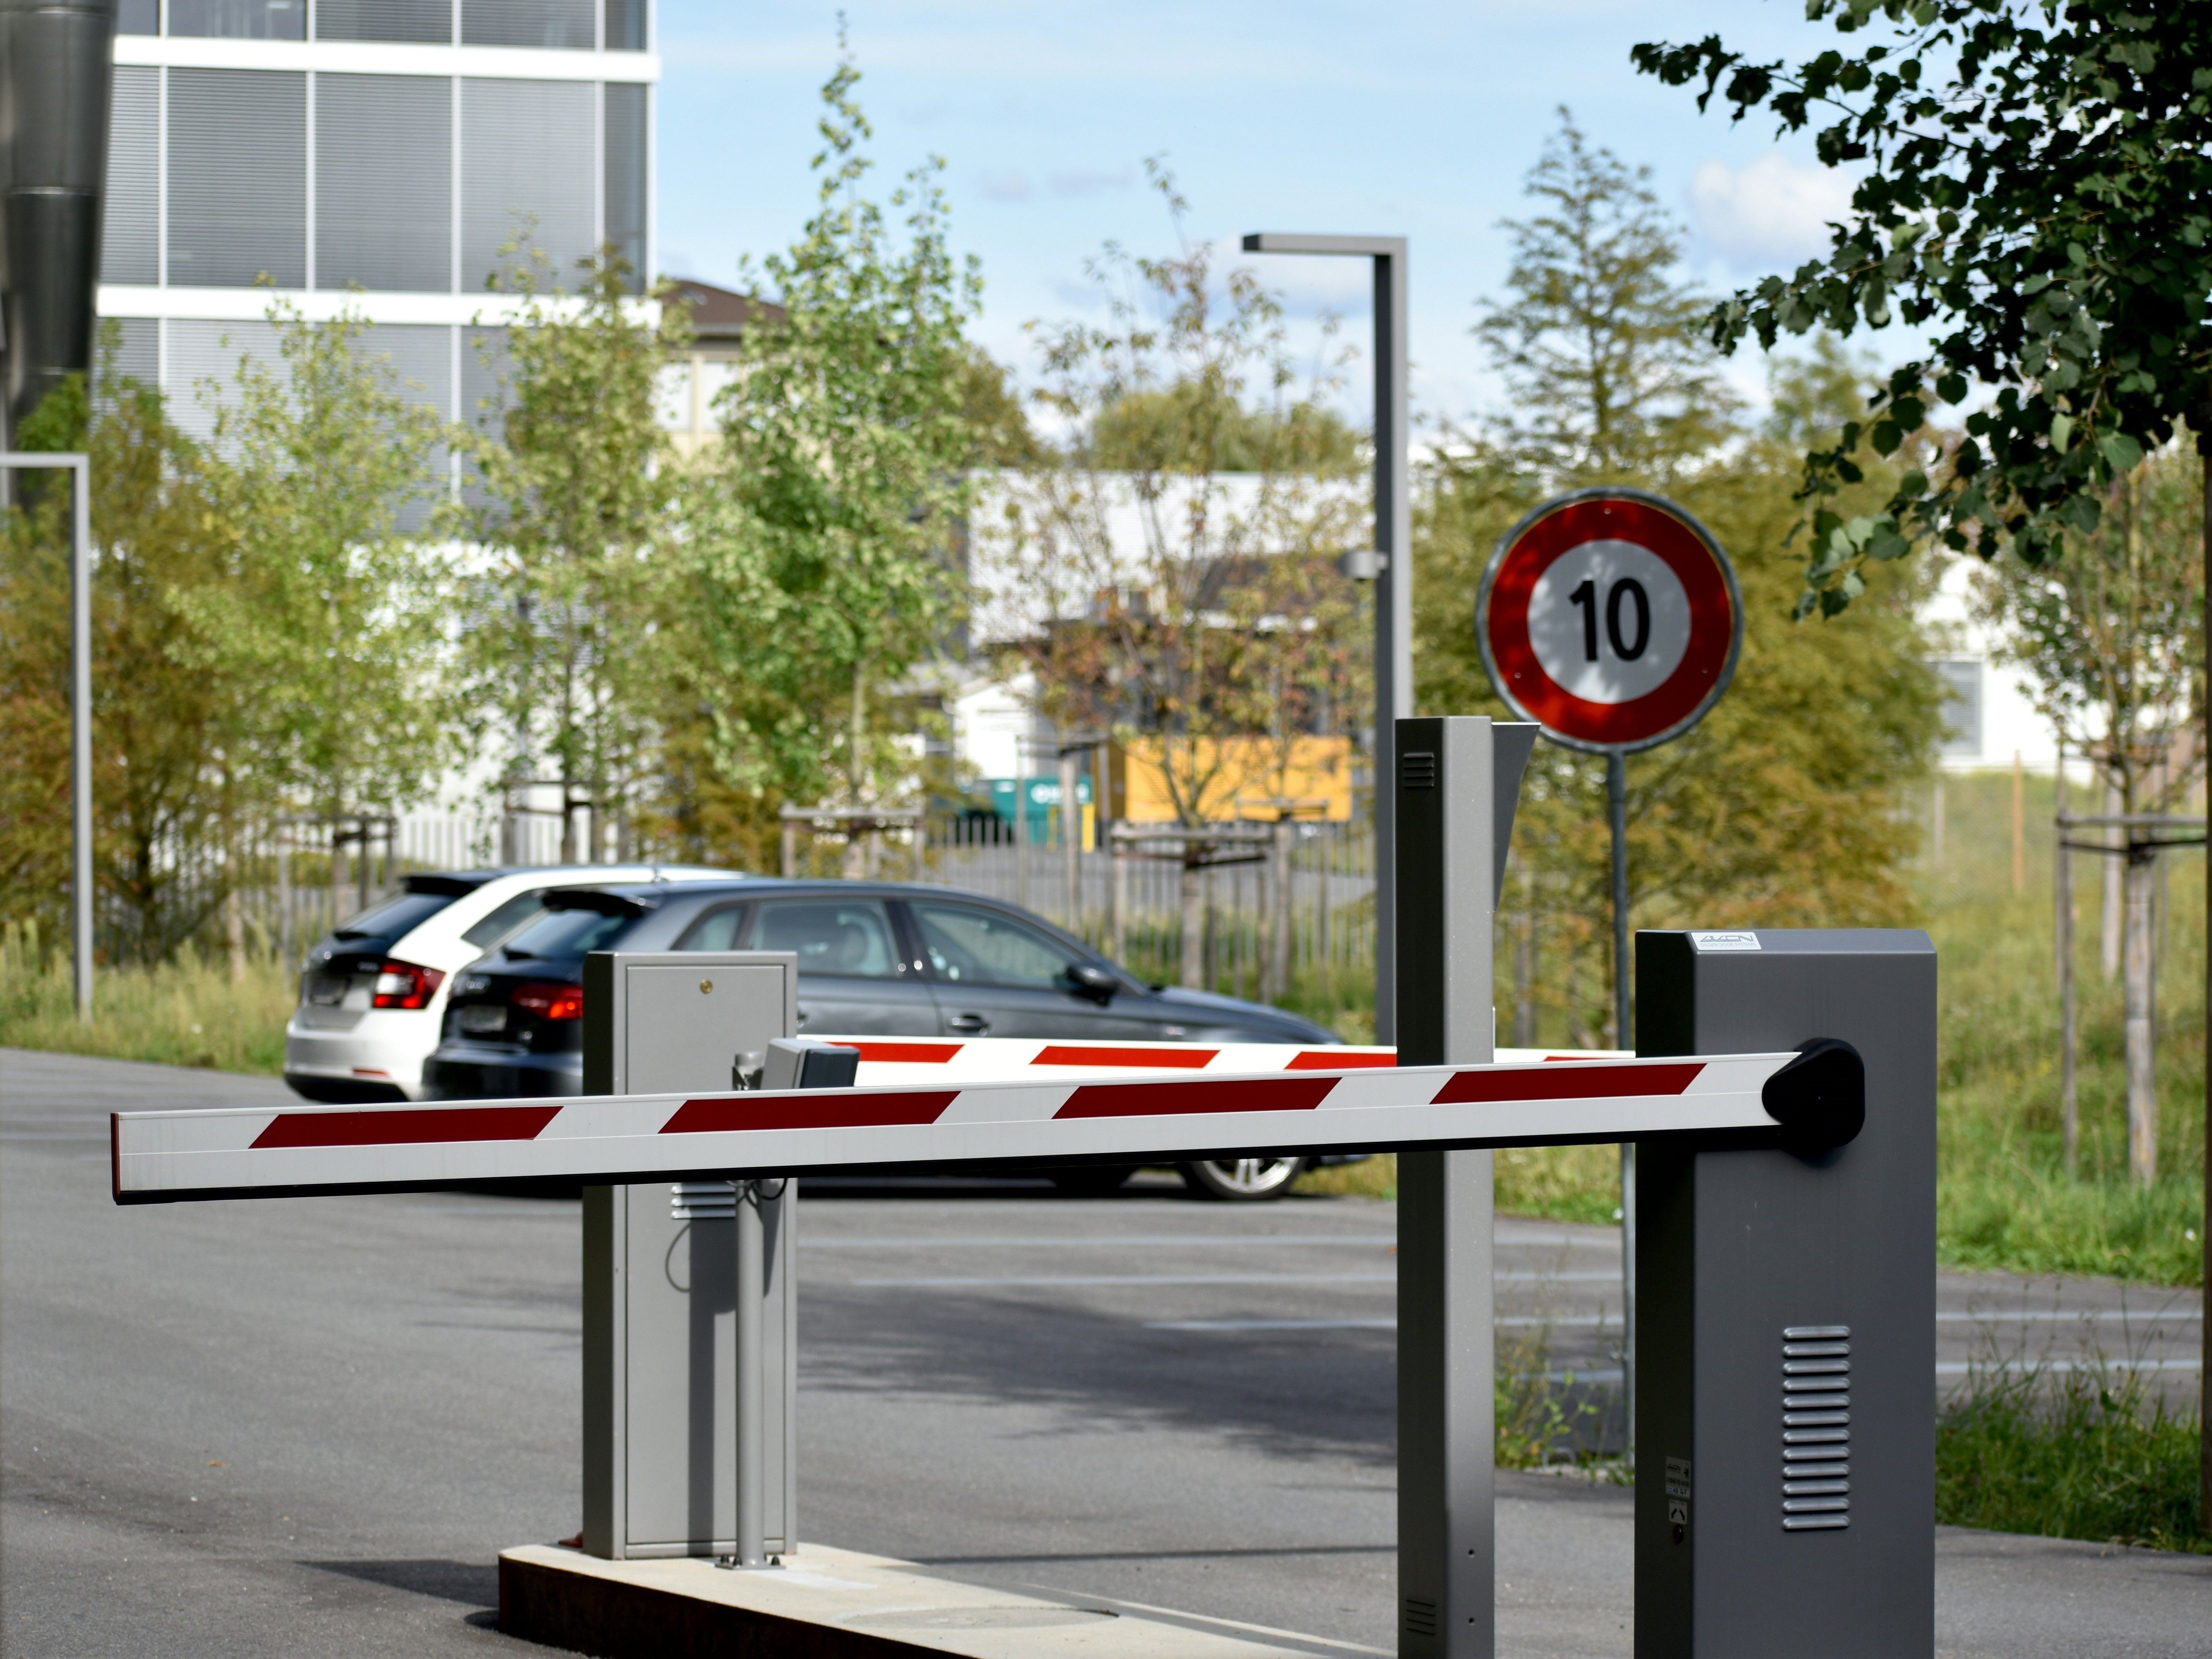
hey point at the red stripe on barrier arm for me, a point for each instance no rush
(1582, 1082)
(903, 1054)
(404, 1128)
(1262, 1094)
(819, 1108)
(1190, 1060)
(1335, 1060)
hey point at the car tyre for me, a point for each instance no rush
(1093, 1181)
(1243, 1179)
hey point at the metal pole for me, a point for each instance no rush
(1393, 614)
(1394, 589)
(753, 1529)
(1070, 839)
(1616, 796)
(2201, 416)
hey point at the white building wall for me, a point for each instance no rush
(1990, 709)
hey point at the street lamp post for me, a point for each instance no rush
(1447, 1561)
(80, 469)
(1394, 587)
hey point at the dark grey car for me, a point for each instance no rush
(875, 959)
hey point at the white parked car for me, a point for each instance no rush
(373, 993)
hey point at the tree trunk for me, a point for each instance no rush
(1191, 970)
(2115, 904)
(2142, 1071)
(2070, 1108)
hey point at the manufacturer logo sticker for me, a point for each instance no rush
(1704, 942)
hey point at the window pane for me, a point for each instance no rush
(625, 179)
(240, 19)
(237, 178)
(128, 241)
(430, 21)
(560, 25)
(625, 24)
(718, 930)
(568, 933)
(200, 373)
(383, 182)
(981, 947)
(831, 936)
(528, 163)
(138, 17)
(505, 919)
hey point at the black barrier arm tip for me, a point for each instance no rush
(1820, 1097)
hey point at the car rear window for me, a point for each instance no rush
(569, 933)
(506, 919)
(404, 914)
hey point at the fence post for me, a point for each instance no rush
(1117, 920)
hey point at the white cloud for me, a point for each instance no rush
(1088, 181)
(1006, 186)
(1772, 212)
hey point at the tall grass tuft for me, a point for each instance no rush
(2090, 1453)
(185, 1013)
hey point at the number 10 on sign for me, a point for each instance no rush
(1611, 619)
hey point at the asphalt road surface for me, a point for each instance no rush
(302, 1427)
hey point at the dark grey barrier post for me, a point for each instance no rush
(669, 1344)
(1785, 1349)
(1459, 780)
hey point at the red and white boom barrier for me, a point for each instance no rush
(1123, 1110)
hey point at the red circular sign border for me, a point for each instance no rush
(1526, 551)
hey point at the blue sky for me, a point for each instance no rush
(1314, 115)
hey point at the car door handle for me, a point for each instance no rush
(806, 1013)
(970, 1025)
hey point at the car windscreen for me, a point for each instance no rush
(569, 933)
(389, 921)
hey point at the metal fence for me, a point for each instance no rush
(1253, 909)
(282, 887)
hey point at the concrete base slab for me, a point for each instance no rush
(838, 1604)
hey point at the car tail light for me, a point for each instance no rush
(549, 1001)
(403, 985)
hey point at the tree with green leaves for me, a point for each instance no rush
(567, 638)
(1599, 343)
(1171, 581)
(175, 767)
(2035, 189)
(1784, 807)
(333, 611)
(822, 556)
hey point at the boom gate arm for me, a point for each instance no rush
(161, 1156)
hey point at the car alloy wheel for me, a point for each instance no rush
(1243, 1179)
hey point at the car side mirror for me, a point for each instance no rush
(1087, 978)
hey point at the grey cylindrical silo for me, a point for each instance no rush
(56, 75)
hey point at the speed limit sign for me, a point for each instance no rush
(1611, 619)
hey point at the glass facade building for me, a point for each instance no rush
(383, 154)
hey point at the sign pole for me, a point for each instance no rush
(1616, 795)
(1610, 617)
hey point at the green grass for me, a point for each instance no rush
(2086, 1454)
(188, 1012)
